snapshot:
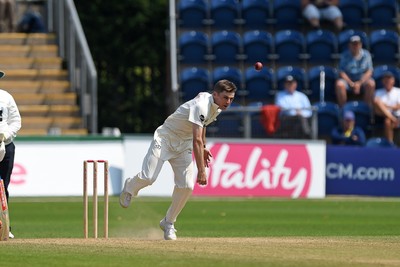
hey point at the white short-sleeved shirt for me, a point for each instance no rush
(201, 110)
(390, 98)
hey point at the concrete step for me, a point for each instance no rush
(28, 50)
(27, 38)
(14, 87)
(34, 74)
(32, 132)
(44, 132)
(45, 98)
(79, 131)
(65, 122)
(15, 63)
(48, 110)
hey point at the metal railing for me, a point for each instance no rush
(62, 19)
(246, 113)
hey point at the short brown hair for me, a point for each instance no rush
(225, 86)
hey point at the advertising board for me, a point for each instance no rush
(362, 171)
(273, 169)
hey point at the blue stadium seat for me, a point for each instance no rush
(225, 46)
(384, 46)
(331, 74)
(193, 47)
(344, 38)
(230, 73)
(287, 14)
(289, 45)
(378, 125)
(256, 13)
(321, 46)
(259, 84)
(193, 81)
(382, 13)
(381, 69)
(257, 129)
(354, 13)
(257, 46)
(362, 112)
(379, 142)
(298, 73)
(328, 117)
(224, 13)
(192, 13)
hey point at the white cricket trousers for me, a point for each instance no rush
(167, 147)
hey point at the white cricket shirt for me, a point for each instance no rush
(201, 110)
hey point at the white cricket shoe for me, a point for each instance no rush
(125, 197)
(10, 235)
(169, 230)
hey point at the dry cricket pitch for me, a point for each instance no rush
(278, 251)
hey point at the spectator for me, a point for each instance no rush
(355, 73)
(348, 133)
(7, 15)
(387, 104)
(295, 106)
(31, 22)
(315, 10)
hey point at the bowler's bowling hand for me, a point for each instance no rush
(202, 178)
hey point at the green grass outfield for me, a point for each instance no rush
(335, 231)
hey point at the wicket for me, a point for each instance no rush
(95, 200)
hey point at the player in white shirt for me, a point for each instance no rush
(182, 132)
(10, 123)
(387, 104)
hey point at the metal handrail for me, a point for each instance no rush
(62, 19)
(247, 111)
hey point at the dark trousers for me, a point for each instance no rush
(6, 166)
(296, 127)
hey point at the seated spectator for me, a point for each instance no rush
(355, 73)
(31, 22)
(7, 15)
(295, 106)
(315, 10)
(348, 133)
(387, 105)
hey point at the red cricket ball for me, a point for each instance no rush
(258, 66)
